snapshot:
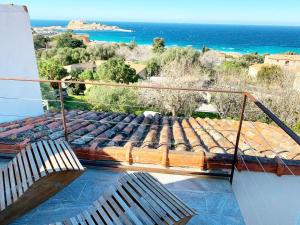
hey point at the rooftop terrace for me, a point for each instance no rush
(212, 198)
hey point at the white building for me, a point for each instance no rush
(17, 59)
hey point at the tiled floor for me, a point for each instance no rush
(213, 199)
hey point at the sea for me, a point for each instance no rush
(227, 38)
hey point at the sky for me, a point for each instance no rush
(256, 12)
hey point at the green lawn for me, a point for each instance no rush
(77, 102)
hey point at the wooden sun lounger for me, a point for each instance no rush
(35, 174)
(137, 199)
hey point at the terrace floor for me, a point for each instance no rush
(212, 198)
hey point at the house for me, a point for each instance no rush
(213, 57)
(83, 37)
(289, 63)
(17, 59)
(81, 66)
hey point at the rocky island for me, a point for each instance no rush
(81, 25)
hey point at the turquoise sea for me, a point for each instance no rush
(228, 38)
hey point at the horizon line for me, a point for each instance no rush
(175, 22)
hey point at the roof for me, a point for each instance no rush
(95, 132)
(284, 57)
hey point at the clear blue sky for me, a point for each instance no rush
(274, 12)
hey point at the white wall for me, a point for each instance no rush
(17, 59)
(266, 199)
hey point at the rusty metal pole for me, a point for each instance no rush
(238, 138)
(63, 115)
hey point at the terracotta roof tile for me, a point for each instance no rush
(102, 129)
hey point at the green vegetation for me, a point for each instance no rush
(75, 102)
(158, 45)
(86, 75)
(269, 74)
(112, 99)
(115, 69)
(66, 40)
(75, 89)
(51, 70)
(253, 58)
(40, 41)
(153, 67)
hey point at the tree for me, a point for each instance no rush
(40, 41)
(132, 45)
(51, 70)
(253, 58)
(112, 99)
(176, 102)
(66, 40)
(205, 49)
(101, 52)
(115, 69)
(269, 74)
(74, 88)
(86, 75)
(152, 68)
(158, 45)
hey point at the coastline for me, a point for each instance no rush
(228, 39)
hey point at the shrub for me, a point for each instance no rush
(112, 99)
(40, 41)
(68, 56)
(269, 74)
(66, 40)
(51, 70)
(117, 70)
(75, 89)
(132, 45)
(152, 68)
(101, 52)
(86, 75)
(253, 58)
(184, 55)
(158, 45)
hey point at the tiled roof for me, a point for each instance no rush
(100, 130)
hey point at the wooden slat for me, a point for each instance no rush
(167, 192)
(7, 187)
(32, 164)
(51, 156)
(160, 196)
(160, 209)
(36, 155)
(116, 207)
(88, 218)
(164, 206)
(81, 220)
(182, 213)
(146, 205)
(12, 181)
(56, 154)
(126, 208)
(103, 213)
(136, 209)
(45, 159)
(63, 156)
(22, 172)
(18, 177)
(2, 197)
(74, 156)
(69, 156)
(99, 220)
(111, 212)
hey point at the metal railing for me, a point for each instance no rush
(247, 97)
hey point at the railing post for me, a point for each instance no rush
(63, 115)
(238, 138)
